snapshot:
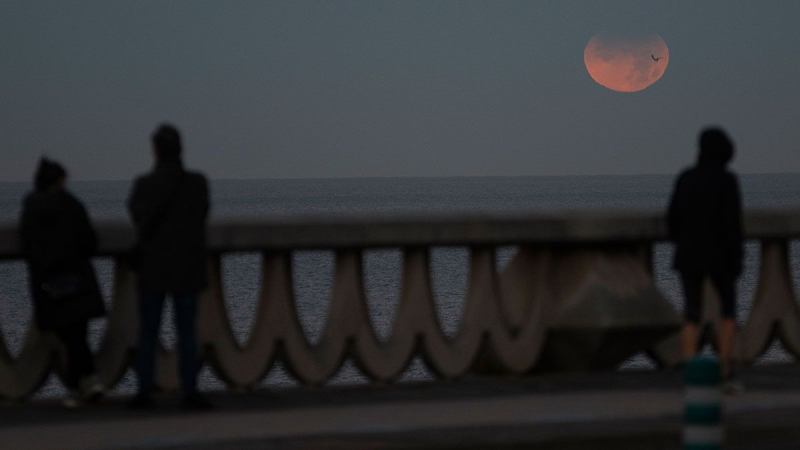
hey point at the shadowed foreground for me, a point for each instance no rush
(603, 410)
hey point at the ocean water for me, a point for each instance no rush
(313, 269)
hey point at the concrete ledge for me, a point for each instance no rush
(359, 231)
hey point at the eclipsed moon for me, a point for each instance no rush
(626, 63)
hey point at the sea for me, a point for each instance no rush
(313, 270)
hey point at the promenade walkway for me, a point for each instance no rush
(617, 410)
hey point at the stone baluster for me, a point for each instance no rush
(23, 375)
(116, 347)
(775, 312)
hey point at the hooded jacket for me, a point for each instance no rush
(704, 218)
(173, 258)
(58, 239)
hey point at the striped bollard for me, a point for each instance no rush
(702, 428)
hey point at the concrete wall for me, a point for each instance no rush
(578, 295)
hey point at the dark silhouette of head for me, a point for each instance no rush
(716, 148)
(48, 175)
(167, 143)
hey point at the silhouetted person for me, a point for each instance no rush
(169, 207)
(705, 222)
(58, 242)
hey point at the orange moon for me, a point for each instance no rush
(626, 64)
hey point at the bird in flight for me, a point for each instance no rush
(654, 57)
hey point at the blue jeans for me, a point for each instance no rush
(151, 306)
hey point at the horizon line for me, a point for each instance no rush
(373, 177)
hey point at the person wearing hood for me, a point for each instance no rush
(704, 221)
(58, 241)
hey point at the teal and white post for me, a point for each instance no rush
(702, 428)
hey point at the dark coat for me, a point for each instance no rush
(705, 219)
(173, 256)
(58, 240)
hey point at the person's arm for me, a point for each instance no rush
(732, 207)
(87, 238)
(673, 210)
(205, 197)
(25, 224)
(142, 204)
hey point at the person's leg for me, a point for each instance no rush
(693, 293)
(185, 307)
(151, 305)
(689, 335)
(726, 338)
(79, 363)
(69, 335)
(80, 353)
(726, 335)
(84, 381)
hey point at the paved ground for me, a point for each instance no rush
(600, 410)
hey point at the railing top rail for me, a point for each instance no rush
(316, 232)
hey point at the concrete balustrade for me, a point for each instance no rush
(579, 294)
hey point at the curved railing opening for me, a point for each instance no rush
(382, 278)
(241, 282)
(16, 310)
(449, 272)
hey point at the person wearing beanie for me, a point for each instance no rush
(58, 242)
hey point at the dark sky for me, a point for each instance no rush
(405, 88)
